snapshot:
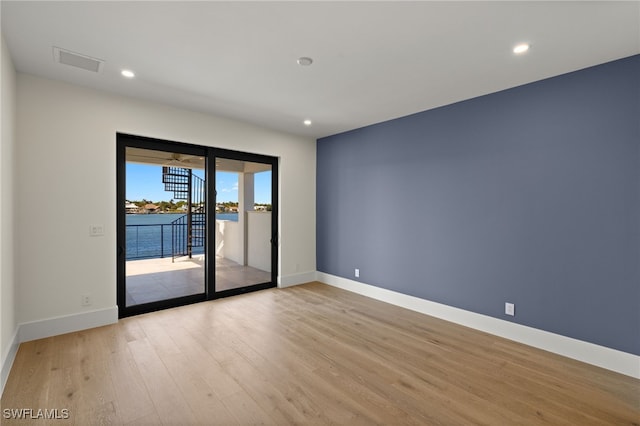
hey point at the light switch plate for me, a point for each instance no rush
(96, 230)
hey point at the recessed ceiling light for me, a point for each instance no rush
(521, 48)
(307, 122)
(304, 61)
(127, 73)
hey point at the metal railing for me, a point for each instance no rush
(185, 243)
(148, 241)
(188, 231)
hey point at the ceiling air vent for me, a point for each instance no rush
(77, 60)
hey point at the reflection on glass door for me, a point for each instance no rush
(244, 232)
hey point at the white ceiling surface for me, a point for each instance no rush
(174, 159)
(373, 61)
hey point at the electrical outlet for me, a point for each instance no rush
(86, 300)
(510, 309)
(357, 273)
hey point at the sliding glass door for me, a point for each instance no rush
(194, 223)
(162, 189)
(245, 225)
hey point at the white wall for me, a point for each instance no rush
(229, 243)
(67, 157)
(8, 325)
(258, 240)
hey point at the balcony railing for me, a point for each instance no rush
(150, 241)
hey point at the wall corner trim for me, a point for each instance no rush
(610, 359)
(285, 281)
(7, 360)
(67, 324)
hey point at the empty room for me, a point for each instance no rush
(318, 212)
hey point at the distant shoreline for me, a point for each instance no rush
(146, 213)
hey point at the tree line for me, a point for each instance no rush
(171, 205)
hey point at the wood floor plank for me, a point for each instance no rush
(246, 410)
(168, 400)
(30, 385)
(124, 372)
(203, 402)
(309, 354)
(291, 364)
(264, 393)
(145, 420)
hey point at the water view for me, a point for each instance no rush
(150, 235)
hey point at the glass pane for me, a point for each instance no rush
(243, 224)
(165, 225)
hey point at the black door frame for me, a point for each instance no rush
(209, 153)
(254, 158)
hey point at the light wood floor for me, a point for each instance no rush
(309, 354)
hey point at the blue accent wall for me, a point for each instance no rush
(530, 195)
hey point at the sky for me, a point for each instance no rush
(145, 181)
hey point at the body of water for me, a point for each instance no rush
(150, 235)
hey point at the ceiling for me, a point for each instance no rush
(372, 61)
(163, 158)
(174, 159)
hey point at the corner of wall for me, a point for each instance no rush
(8, 357)
(285, 281)
(8, 326)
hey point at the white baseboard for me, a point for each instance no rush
(295, 279)
(67, 324)
(590, 353)
(7, 360)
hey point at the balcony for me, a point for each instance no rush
(243, 258)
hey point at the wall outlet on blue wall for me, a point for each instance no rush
(510, 309)
(357, 273)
